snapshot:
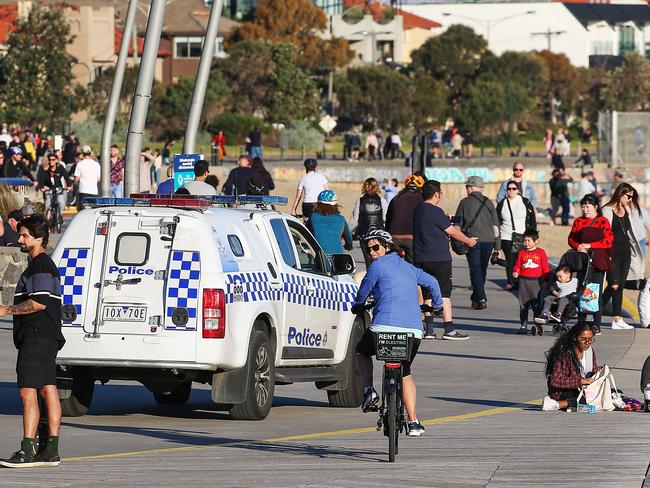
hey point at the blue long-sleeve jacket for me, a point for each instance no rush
(393, 283)
(528, 192)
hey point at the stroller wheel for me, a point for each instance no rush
(562, 329)
(540, 330)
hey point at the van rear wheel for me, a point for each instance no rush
(260, 383)
(75, 401)
(179, 395)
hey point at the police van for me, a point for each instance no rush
(219, 290)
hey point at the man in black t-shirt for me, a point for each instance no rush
(431, 232)
(38, 338)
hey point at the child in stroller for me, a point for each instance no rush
(563, 307)
(559, 293)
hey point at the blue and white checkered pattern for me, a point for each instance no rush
(250, 287)
(328, 295)
(73, 268)
(255, 286)
(183, 287)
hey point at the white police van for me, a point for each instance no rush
(217, 290)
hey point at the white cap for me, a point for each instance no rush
(86, 149)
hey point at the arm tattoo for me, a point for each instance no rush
(24, 308)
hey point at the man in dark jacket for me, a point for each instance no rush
(16, 167)
(240, 178)
(399, 216)
(478, 218)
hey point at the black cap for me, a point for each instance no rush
(310, 163)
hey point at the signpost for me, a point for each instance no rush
(184, 168)
(327, 123)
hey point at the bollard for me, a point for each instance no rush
(302, 154)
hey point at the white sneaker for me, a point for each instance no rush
(550, 405)
(621, 325)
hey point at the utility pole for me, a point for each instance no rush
(549, 34)
(114, 100)
(134, 39)
(142, 95)
(207, 54)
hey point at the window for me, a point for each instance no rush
(310, 256)
(601, 48)
(187, 47)
(132, 249)
(625, 39)
(282, 236)
(235, 245)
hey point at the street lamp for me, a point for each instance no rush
(373, 40)
(488, 23)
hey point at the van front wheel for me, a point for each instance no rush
(260, 383)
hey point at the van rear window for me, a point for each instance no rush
(132, 249)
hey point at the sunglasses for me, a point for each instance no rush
(374, 248)
(518, 169)
(628, 195)
(586, 340)
(513, 188)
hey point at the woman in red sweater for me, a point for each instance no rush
(593, 232)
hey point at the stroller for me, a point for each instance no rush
(583, 301)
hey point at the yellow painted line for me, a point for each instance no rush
(315, 435)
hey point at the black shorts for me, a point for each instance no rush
(307, 210)
(367, 347)
(36, 364)
(440, 270)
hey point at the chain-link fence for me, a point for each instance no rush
(623, 138)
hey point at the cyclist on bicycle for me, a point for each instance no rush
(53, 179)
(394, 285)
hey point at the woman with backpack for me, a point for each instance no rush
(368, 214)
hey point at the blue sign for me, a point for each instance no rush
(184, 168)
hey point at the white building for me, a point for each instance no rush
(576, 30)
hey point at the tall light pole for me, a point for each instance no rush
(488, 23)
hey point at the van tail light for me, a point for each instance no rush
(214, 314)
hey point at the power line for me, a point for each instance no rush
(549, 34)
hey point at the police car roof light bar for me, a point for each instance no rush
(195, 201)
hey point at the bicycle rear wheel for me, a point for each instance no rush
(391, 413)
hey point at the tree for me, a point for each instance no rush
(487, 104)
(100, 91)
(590, 100)
(428, 100)
(627, 87)
(168, 113)
(265, 79)
(563, 85)
(38, 86)
(296, 22)
(375, 96)
(453, 57)
(525, 69)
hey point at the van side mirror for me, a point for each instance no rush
(342, 264)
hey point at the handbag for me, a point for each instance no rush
(517, 239)
(462, 248)
(599, 393)
(590, 298)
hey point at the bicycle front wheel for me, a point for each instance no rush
(391, 413)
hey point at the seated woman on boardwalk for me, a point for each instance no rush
(570, 363)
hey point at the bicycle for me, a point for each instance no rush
(392, 348)
(54, 213)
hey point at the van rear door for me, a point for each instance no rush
(128, 289)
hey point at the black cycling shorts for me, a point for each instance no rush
(36, 364)
(367, 347)
(440, 270)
